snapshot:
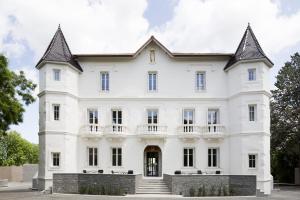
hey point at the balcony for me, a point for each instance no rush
(188, 131)
(115, 131)
(92, 131)
(213, 131)
(147, 131)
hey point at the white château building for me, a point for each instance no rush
(155, 111)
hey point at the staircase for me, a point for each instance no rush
(153, 186)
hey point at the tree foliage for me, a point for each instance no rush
(15, 150)
(285, 125)
(14, 89)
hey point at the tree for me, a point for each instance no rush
(14, 89)
(15, 150)
(285, 125)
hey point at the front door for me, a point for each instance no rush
(152, 164)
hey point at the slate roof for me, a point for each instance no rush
(248, 49)
(59, 51)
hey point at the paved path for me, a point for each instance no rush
(22, 191)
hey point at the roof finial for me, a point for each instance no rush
(58, 26)
(248, 24)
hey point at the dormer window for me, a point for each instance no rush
(152, 56)
(56, 74)
(252, 74)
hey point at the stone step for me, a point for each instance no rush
(147, 186)
(153, 192)
(158, 185)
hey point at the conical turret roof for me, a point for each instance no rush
(248, 49)
(59, 51)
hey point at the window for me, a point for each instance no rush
(55, 159)
(188, 120)
(116, 156)
(117, 120)
(56, 112)
(252, 113)
(188, 157)
(152, 81)
(213, 157)
(93, 156)
(104, 81)
(213, 120)
(152, 56)
(152, 119)
(251, 74)
(252, 160)
(93, 116)
(200, 81)
(56, 74)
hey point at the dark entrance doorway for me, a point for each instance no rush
(152, 161)
(152, 164)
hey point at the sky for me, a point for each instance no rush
(116, 26)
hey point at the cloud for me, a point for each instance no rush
(217, 25)
(93, 26)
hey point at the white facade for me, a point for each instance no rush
(239, 138)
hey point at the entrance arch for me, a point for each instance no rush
(152, 161)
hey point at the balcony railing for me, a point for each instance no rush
(92, 130)
(152, 129)
(115, 129)
(208, 131)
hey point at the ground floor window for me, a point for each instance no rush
(252, 161)
(116, 156)
(188, 157)
(93, 156)
(55, 159)
(213, 157)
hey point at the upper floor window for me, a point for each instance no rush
(213, 116)
(117, 121)
(56, 74)
(213, 157)
(93, 116)
(152, 56)
(188, 157)
(152, 116)
(200, 81)
(252, 160)
(188, 120)
(93, 156)
(104, 81)
(56, 112)
(116, 156)
(55, 159)
(252, 113)
(152, 81)
(252, 74)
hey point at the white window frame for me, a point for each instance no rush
(252, 74)
(188, 157)
(255, 160)
(117, 157)
(254, 111)
(197, 82)
(106, 86)
(210, 157)
(95, 118)
(54, 112)
(210, 118)
(117, 116)
(56, 74)
(93, 157)
(53, 157)
(150, 86)
(152, 111)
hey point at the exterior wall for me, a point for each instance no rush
(230, 92)
(241, 185)
(71, 183)
(23, 173)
